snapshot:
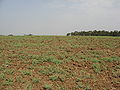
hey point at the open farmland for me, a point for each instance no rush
(59, 63)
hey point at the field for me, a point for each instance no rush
(59, 63)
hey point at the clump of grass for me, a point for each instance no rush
(26, 72)
(9, 71)
(62, 78)
(8, 81)
(37, 57)
(111, 59)
(35, 62)
(54, 77)
(95, 60)
(96, 67)
(51, 70)
(20, 79)
(28, 86)
(2, 68)
(51, 59)
(78, 79)
(79, 85)
(47, 87)
(35, 80)
(2, 76)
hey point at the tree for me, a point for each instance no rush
(68, 34)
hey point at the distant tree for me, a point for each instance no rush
(29, 34)
(10, 35)
(68, 34)
(95, 33)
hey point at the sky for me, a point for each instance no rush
(58, 17)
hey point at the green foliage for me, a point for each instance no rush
(2, 76)
(9, 71)
(47, 87)
(51, 59)
(111, 59)
(8, 82)
(54, 77)
(35, 80)
(20, 79)
(96, 67)
(26, 72)
(94, 33)
(51, 70)
(28, 86)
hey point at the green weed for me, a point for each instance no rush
(9, 71)
(47, 87)
(26, 72)
(111, 59)
(2, 76)
(35, 80)
(54, 78)
(96, 67)
(8, 81)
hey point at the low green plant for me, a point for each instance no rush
(20, 79)
(9, 71)
(96, 67)
(8, 81)
(62, 78)
(47, 87)
(35, 62)
(51, 59)
(78, 79)
(35, 80)
(111, 59)
(28, 86)
(2, 68)
(95, 60)
(54, 77)
(51, 70)
(80, 85)
(2, 76)
(26, 72)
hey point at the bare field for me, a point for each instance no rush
(59, 63)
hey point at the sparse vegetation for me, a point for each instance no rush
(59, 62)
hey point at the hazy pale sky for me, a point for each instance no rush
(57, 17)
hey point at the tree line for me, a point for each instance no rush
(94, 33)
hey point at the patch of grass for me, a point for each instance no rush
(28, 86)
(62, 78)
(47, 87)
(62, 88)
(2, 76)
(26, 72)
(37, 57)
(95, 60)
(51, 59)
(7, 62)
(8, 82)
(111, 59)
(78, 79)
(87, 87)
(2, 68)
(96, 68)
(9, 71)
(35, 80)
(54, 77)
(79, 85)
(30, 67)
(20, 79)
(51, 70)
(35, 62)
